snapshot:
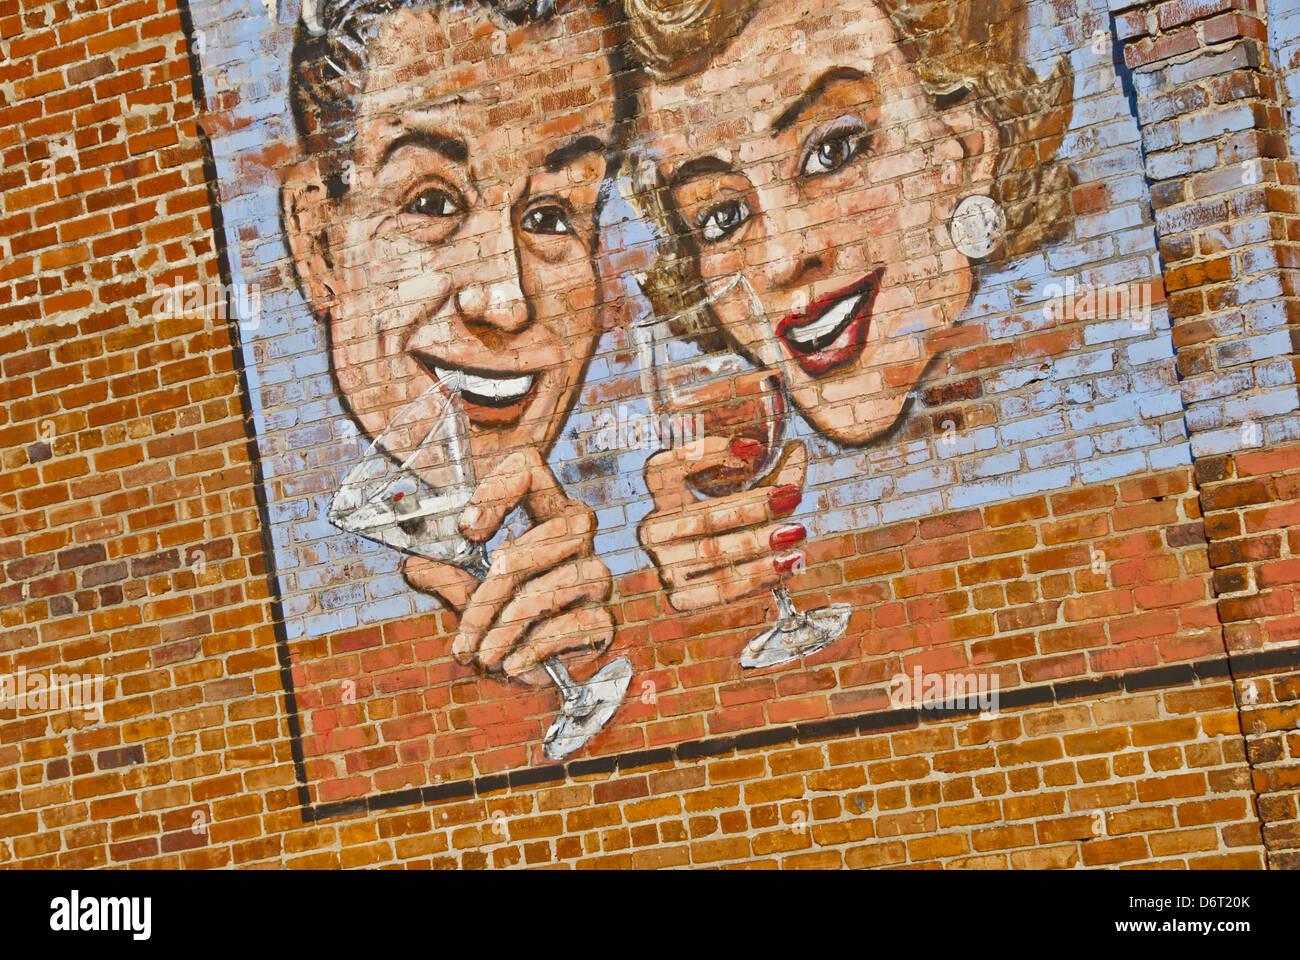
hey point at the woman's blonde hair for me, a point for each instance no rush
(962, 51)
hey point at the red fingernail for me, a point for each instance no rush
(787, 535)
(786, 562)
(745, 448)
(783, 500)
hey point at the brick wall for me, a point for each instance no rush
(1094, 516)
(124, 448)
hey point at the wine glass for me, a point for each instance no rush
(408, 490)
(698, 390)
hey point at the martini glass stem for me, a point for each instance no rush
(577, 703)
(560, 677)
(478, 563)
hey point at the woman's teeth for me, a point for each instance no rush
(492, 390)
(822, 332)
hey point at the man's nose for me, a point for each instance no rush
(498, 304)
(493, 293)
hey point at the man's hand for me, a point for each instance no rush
(545, 593)
(720, 549)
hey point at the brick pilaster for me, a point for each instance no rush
(1223, 184)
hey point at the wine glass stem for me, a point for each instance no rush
(785, 607)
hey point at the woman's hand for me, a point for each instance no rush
(545, 593)
(723, 548)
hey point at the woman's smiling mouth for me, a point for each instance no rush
(833, 330)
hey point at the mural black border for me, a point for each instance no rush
(250, 431)
(813, 731)
(1182, 674)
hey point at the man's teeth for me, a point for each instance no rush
(490, 388)
(810, 335)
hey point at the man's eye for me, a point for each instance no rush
(434, 203)
(723, 220)
(833, 153)
(551, 220)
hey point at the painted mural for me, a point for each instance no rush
(607, 355)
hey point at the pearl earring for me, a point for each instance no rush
(977, 226)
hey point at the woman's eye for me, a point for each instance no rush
(552, 220)
(433, 203)
(833, 153)
(723, 220)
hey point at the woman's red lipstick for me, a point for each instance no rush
(849, 342)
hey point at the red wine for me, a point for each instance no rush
(746, 409)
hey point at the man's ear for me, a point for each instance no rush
(305, 209)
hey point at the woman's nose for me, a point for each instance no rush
(790, 266)
(785, 260)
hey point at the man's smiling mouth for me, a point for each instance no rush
(492, 399)
(487, 390)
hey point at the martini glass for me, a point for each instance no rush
(700, 389)
(407, 492)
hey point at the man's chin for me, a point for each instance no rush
(498, 432)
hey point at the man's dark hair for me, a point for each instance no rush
(331, 57)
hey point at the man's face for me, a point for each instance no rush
(466, 240)
(817, 188)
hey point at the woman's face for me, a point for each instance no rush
(817, 179)
(466, 240)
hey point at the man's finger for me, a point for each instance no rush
(523, 477)
(545, 546)
(542, 599)
(449, 583)
(542, 548)
(586, 631)
(494, 497)
(546, 498)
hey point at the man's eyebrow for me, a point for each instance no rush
(561, 157)
(813, 94)
(697, 167)
(453, 148)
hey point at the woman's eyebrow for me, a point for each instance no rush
(810, 96)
